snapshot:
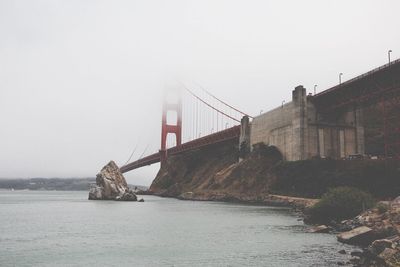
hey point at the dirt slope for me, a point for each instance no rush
(214, 173)
(215, 170)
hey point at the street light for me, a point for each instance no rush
(340, 78)
(315, 89)
(390, 51)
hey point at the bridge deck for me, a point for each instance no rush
(224, 135)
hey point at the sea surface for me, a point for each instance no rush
(53, 228)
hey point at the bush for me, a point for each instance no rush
(382, 207)
(340, 203)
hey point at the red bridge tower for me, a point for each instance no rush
(171, 105)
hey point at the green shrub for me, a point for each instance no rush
(340, 203)
(382, 207)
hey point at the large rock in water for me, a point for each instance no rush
(358, 235)
(111, 185)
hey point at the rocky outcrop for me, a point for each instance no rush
(382, 252)
(378, 231)
(214, 173)
(111, 185)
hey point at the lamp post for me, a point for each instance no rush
(390, 51)
(340, 78)
(315, 89)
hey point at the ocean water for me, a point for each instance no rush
(43, 228)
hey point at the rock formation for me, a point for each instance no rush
(111, 185)
(380, 227)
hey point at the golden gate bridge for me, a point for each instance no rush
(191, 120)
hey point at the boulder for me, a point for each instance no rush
(111, 185)
(380, 245)
(96, 192)
(356, 253)
(320, 229)
(395, 202)
(391, 257)
(127, 196)
(359, 235)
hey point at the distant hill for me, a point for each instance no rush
(61, 184)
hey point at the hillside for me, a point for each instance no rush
(213, 173)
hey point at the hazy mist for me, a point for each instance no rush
(81, 81)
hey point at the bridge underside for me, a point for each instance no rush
(377, 94)
(372, 87)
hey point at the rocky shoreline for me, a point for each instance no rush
(376, 232)
(263, 199)
(296, 203)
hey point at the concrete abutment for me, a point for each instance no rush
(300, 131)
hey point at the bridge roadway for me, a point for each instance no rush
(224, 135)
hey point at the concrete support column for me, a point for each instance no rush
(299, 124)
(359, 122)
(244, 139)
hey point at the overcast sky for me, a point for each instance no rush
(81, 80)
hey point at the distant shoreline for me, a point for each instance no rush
(51, 184)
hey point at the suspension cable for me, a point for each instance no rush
(133, 152)
(223, 102)
(141, 156)
(201, 100)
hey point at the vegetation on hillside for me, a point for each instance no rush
(340, 203)
(312, 178)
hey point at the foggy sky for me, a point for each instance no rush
(81, 80)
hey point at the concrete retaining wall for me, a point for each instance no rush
(300, 132)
